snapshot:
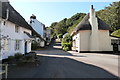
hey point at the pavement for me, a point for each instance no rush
(56, 63)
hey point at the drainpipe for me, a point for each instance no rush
(1, 22)
(7, 15)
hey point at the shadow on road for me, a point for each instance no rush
(56, 67)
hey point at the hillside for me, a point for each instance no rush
(109, 15)
(66, 25)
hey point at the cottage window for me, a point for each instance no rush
(16, 28)
(5, 46)
(17, 45)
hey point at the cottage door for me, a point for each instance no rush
(115, 47)
(25, 47)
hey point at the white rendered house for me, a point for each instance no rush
(91, 34)
(39, 28)
(48, 36)
(15, 32)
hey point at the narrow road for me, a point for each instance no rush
(56, 63)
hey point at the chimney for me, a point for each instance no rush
(94, 40)
(91, 6)
(92, 12)
(93, 19)
(33, 16)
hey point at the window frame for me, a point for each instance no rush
(16, 28)
(17, 45)
(6, 44)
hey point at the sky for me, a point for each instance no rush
(49, 12)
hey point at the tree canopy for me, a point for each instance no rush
(66, 25)
(110, 15)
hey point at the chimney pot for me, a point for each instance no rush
(33, 16)
(91, 6)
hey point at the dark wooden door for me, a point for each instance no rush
(25, 47)
(115, 47)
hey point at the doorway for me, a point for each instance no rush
(115, 47)
(25, 47)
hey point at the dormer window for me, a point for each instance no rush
(32, 21)
(16, 28)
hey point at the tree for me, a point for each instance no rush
(111, 15)
(66, 25)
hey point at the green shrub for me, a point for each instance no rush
(11, 58)
(30, 57)
(59, 35)
(67, 42)
(67, 46)
(18, 55)
(34, 45)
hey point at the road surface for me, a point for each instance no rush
(56, 63)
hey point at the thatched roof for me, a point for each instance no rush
(14, 16)
(85, 24)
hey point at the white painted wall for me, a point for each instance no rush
(85, 40)
(84, 37)
(76, 43)
(119, 47)
(105, 41)
(42, 44)
(9, 29)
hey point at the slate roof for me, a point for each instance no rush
(35, 34)
(14, 16)
(85, 24)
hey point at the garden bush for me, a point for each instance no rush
(67, 42)
(59, 36)
(20, 59)
(11, 59)
(34, 45)
(66, 46)
(18, 56)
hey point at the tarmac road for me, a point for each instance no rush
(56, 63)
